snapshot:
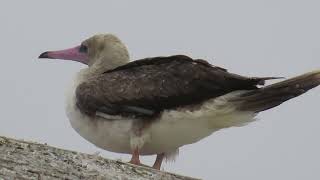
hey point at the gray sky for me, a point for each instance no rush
(250, 37)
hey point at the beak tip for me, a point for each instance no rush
(44, 55)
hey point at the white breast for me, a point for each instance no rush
(106, 134)
(172, 130)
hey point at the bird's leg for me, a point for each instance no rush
(137, 140)
(135, 158)
(158, 162)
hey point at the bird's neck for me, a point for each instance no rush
(101, 66)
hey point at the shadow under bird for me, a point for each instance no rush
(156, 105)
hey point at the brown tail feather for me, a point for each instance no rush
(275, 94)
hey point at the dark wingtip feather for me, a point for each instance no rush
(275, 94)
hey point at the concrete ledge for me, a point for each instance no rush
(29, 160)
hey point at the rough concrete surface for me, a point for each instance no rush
(29, 160)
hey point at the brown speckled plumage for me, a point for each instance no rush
(146, 87)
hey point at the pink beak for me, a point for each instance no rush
(73, 54)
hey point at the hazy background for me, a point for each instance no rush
(250, 37)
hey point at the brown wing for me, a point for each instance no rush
(146, 87)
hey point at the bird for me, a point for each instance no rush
(155, 105)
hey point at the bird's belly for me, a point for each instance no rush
(173, 130)
(109, 135)
(114, 135)
(177, 128)
(167, 135)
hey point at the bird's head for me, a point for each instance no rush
(99, 50)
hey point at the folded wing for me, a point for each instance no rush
(144, 88)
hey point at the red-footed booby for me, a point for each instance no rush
(156, 105)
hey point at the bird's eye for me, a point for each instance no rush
(83, 49)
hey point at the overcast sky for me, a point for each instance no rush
(249, 37)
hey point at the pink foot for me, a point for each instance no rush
(135, 159)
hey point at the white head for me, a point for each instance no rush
(100, 52)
